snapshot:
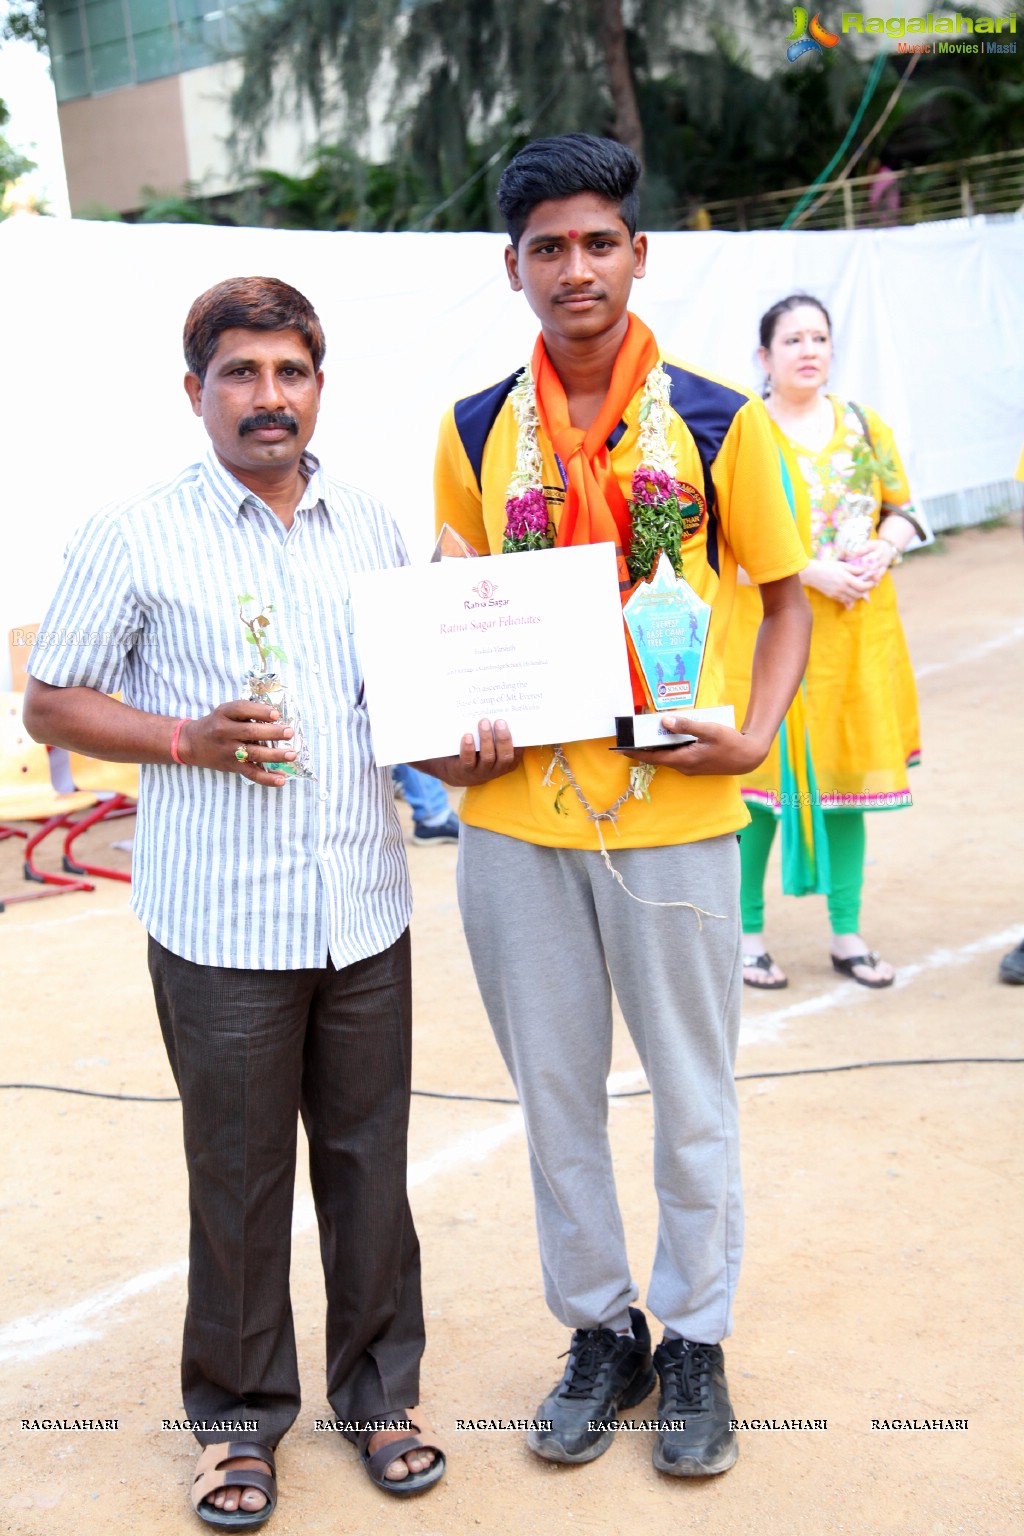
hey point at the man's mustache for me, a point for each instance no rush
(268, 419)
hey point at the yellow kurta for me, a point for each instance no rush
(860, 696)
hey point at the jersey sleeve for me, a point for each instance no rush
(457, 497)
(94, 619)
(753, 507)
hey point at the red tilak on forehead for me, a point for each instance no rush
(573, 233)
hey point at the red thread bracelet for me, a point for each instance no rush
(174, 743)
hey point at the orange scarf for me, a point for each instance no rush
(595, 509)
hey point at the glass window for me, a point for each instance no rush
(150, 15)
(202, 42)
(98, 45)
(70, 76)
(64, 31)
(191, 10)
(105, 22)
(232, 27)
(156, 54)
(111, 66)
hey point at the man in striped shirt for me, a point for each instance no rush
(277, 906)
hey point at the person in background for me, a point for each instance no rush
(852, 730)
(433, 820)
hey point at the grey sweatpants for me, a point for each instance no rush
(550, 933)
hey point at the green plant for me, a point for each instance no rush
(869, 466)
(257, 627)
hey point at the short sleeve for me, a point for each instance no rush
(457, 497)
(755, 512)
(94, 620)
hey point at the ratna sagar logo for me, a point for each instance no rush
(808, 38)
(485, 591)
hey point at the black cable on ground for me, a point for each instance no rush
(629, 1093)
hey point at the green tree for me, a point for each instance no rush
(466, 82)
(12, 162)
(457, 78)
(717, 131)
(25, 21)
(341, 191)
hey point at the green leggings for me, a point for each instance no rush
(846, 840)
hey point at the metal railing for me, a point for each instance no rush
(952, 189)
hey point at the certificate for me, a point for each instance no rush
(535, 639)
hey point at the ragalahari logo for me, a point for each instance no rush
(800, 42)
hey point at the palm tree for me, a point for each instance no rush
(458, 80)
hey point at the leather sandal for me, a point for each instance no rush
(419, 1438)
(763, 963)
(847, 968)
(212, 1474)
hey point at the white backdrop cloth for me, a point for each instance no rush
(928, 323)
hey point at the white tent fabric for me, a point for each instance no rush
(929, 325)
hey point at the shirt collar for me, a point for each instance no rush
(230, 495)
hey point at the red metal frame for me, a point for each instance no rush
(117, 805)
(53, 885)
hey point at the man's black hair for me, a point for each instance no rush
(550, 169)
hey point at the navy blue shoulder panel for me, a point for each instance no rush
(709, 410)
(476, 415)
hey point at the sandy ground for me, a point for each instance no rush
(881, 1279)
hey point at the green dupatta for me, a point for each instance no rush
(805, 867)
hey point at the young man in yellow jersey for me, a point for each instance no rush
(551, 932)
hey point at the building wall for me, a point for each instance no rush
(120, 142)
(170, 136)
(212, 169)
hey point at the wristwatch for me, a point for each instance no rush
(897, 554)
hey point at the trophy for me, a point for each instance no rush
(667, 633)
(265, 687)
(451, 546)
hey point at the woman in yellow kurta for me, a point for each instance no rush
(853, 731)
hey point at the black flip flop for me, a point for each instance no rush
(762, 963)
(846, 968)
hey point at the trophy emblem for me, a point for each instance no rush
(667, 633)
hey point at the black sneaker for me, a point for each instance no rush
(695, 1396)
(442, 832)
(1011, 966)
(606, 1371)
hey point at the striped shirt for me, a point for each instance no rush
(226, 872)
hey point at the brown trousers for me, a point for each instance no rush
(250, 1051)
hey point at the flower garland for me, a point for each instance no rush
(527, 525)
(663, 511)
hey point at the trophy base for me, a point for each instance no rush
(647, 733)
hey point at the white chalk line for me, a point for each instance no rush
(45, 1332)
(16, 930)
(975, 653)
(768, 1026)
